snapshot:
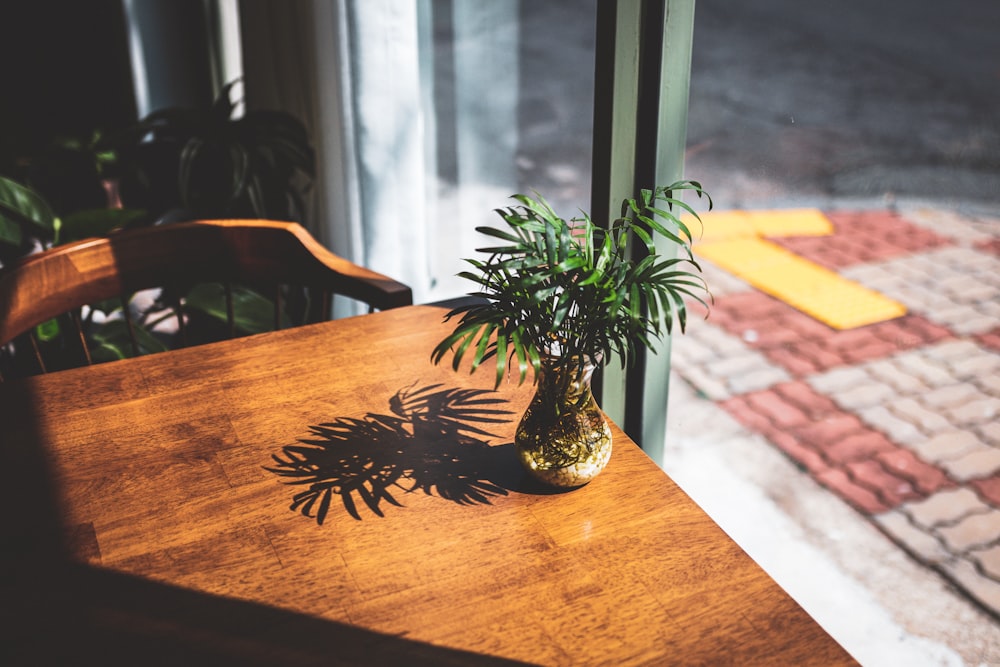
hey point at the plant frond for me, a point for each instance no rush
(576, 284)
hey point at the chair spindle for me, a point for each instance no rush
(230, 315)
(181, 324)
(326, 297)
(131, 327)
(278, 307)
(38, 352)
(78, 325)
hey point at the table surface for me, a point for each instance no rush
(326, 495)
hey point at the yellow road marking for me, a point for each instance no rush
(723, 225)
(816, 291)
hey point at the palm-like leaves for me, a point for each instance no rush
(216, 165)
(574, 290)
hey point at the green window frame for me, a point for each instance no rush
(642, 76)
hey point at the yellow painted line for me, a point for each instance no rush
(723, 225)
(791, 222)
(720, 225)
(816, 291)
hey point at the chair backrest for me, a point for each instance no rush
(255, 252)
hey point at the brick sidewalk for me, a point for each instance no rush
(900, 419)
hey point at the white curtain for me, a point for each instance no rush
(389, 125)
(412, 107)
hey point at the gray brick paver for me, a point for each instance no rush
(989, 561)
(755, 380)
(689, 350)
(952, 285)
(735, 365)
(977, 364)
(989, 384)
(945, 446)
(973, 289)
(897, 429)
(721, 341)
(927, 420)
(704, 382)
(891, 374)
(991, 309)
(921, 300)
(982, 462)
(980, 411)
(722, 283)
(945, 507)
(971, 531)
(972, 322)
(946, 223)
(952, 395)
(839, 380)
(964, 573)
(932, 374)
(720, 365)
(870, 275)
(920, 543)
(990, 433)
(952, 350)
(864, 395)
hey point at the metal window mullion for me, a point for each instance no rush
(640, 120)
(671, 136)
(616, 84)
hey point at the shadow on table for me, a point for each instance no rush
(433, 441)
(54, 611)
(84, 615)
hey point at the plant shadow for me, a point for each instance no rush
(433, 441)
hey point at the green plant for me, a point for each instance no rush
(572, 290)
(24, 214)
(59, 196)
(210, 163)
(174, 164)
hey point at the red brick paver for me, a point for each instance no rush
(860, 237)
(990, 339)
(988, 489)
(898, 419)
(855, 461)
(863, 499)
(804, 346)
(992, 246)
(925, 477)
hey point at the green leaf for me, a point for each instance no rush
(48, 330)
(10, 232)
(500, 234)
(501, 347)
(20, 205)
(252, 313)
(575, 281)
(111, 341)
(484, 340)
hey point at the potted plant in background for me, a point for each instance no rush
(58, 196)
(211, 163)
(175, 164)
(563, 297)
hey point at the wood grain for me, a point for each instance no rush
(179, 541)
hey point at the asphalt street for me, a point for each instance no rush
(825, 99)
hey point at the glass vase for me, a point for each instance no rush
(563, 439)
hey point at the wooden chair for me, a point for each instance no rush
(261, 253)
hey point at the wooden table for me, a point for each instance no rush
(145, 522)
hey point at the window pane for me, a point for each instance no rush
(510, 111)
